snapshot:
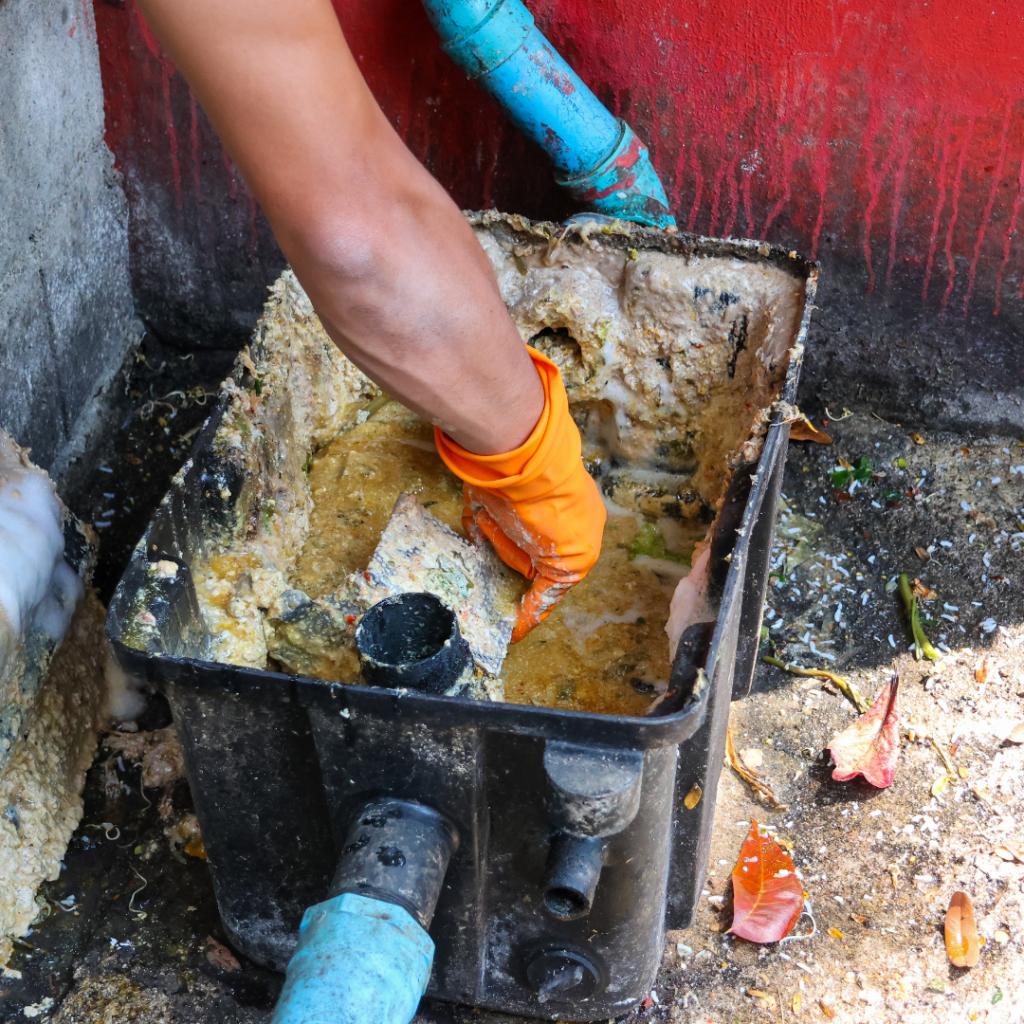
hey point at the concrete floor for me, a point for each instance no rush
(878, 865)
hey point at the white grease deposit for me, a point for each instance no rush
(38, 589)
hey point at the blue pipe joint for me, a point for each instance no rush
(597, 157)
(359, 961)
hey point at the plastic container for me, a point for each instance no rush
(576, 848)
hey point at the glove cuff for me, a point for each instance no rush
(552, 450)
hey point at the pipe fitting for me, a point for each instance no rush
(592, 791)
(597, 157)
(364, 955)
(414, 641)
(574, 868)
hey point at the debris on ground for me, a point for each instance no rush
(871, 745)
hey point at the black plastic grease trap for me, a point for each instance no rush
(278, 765)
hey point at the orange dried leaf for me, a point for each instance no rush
(835, 933)
(804, 430)
(826, 1008)
(871, 746)
(797, 1003)
(981, 672)
(195, 848)
(767, 896)
(961, 933)
(1010, 852)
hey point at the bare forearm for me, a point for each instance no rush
(393, 270)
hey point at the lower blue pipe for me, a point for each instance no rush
(597, 157)
(359, 961)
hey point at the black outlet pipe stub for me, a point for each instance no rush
(397, 851)
(574, 867)
(411, 641)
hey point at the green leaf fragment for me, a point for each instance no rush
(863, 470)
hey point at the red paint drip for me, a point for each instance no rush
(698, 187)
(820, 167)
(196, 166)
(875, 182)
(733, 196)
(944, 128)
(1008, 237)
(986, 215)
(957, 188)
(230, 168)
(167, 69)
(897, 198)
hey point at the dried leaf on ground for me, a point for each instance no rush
(981, 672)
(826, 1008)
(1010, 852)
(767, 895)
(805, 430)
(1016, 734)
(752, 778)
(220, 956)
(922, 553)
(797, 1003)
(871, 745)
(961, 932)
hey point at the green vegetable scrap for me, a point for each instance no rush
(922, 647)
(649, 541)
(862, 471)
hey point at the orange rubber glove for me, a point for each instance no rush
(537, 505)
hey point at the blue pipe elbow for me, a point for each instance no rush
(359, 961)
(597, 157)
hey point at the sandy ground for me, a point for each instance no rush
(878, 866)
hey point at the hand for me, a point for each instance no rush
(537, 504)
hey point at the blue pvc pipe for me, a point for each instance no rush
(597, 157)
(359, 961)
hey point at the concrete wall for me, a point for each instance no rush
(66, 314)
(884, 139)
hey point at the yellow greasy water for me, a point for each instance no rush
(603, 649)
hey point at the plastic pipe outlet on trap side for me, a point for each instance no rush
(597, 157)
(364, 955)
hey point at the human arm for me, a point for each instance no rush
(392, 268)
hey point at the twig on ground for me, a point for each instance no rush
(922, 647)
(855, 698)
(755, 780)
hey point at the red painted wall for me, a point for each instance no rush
(884, 138)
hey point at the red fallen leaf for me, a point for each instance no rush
(961, 933)
(767, 896)
(871, 746)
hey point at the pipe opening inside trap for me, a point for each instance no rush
(411, 640)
